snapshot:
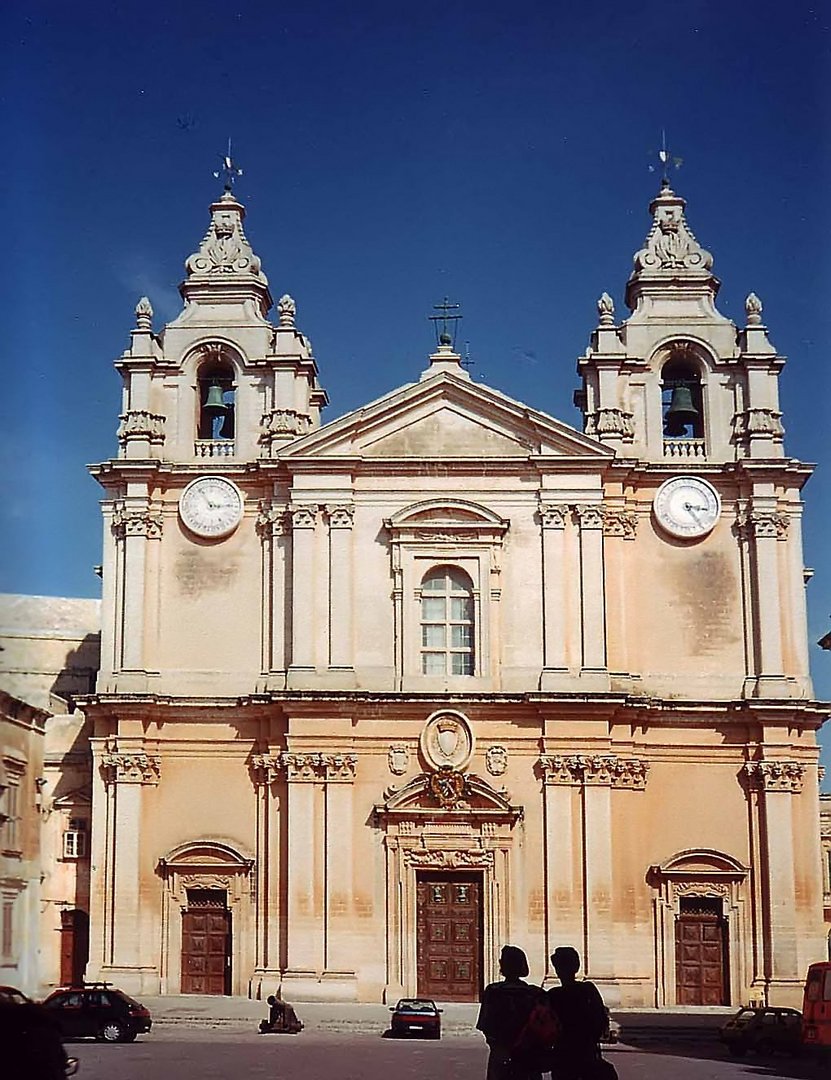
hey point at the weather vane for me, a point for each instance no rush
(229, 169)
(666, 159)
(445, 307)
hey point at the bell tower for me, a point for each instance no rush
(209, 400)
(676, 381)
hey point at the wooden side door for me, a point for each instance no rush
(449, 936)
(74, 946)
(701, 957)
(206, 951)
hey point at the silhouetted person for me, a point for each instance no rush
(503, 1015)
(583, 1018)
(30, 1044)
(282, 1019)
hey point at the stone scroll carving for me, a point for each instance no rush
(670, 243)
(136, 767)
(461, 859)
(225, 249)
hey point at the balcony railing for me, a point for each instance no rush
(214, 448)
(684, 448)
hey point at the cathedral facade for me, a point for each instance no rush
(381, 695)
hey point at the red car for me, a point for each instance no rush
(416, 1016)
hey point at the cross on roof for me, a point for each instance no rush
(443, 337)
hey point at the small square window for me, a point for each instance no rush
(74, 844)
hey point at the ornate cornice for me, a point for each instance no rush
(137, 522)
(595, 770)
(135, 767)
(785, 776)
(319, 767)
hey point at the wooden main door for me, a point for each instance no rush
(449, 936)
(206, 943)
(701, 966)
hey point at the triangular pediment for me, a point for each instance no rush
(447, 417)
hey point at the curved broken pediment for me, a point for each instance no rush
(463, 794)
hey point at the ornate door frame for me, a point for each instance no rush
(207, 864)
(473, 831)
(706, 873)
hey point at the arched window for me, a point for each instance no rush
(447, 622)
(216, 401)
(682, 404)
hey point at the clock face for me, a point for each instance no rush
(211, 507)
(687, 507)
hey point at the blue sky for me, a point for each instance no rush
(394, 154)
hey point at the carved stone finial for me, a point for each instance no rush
(287, 310)
(144, 314)
(753, 309)
(606, 310)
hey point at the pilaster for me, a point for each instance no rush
(303, 607)
(589, 517)
(341, 651)
(555, 665)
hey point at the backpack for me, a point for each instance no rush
(540, 1031)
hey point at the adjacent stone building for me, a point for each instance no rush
(378, 696)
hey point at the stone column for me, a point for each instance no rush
(592, 589)
(598, 962)
(126, 773)
(134, 526)
(764, 531)
(340, 958)
(340, 520)
(271, 526)
(303, 521)
(553, 520)
(266, 770)
(561, 778)
(777, 782)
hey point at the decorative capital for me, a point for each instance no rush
(303, 517)
(340, 516)
(130, 768)
(595, 770)
(622, 523)
(144, 314)
(785, 776)
(589, 515)
(137, 522)
(271, 519)
(283, 424)
(141, 424)
(606, 310)
(762, 525)
(266, 768)
(753, 309)
(553, 517)
(613, 422)
(319, 767)
(287, 310)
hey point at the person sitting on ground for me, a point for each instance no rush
(582, 1017)
(282, 1019)
(503, 1017)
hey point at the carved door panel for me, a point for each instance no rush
(206, 951)
(701, 959)
(449, 936)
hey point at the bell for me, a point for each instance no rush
(681, 411)
(214, 402)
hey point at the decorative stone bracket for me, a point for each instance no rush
(595, 769)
